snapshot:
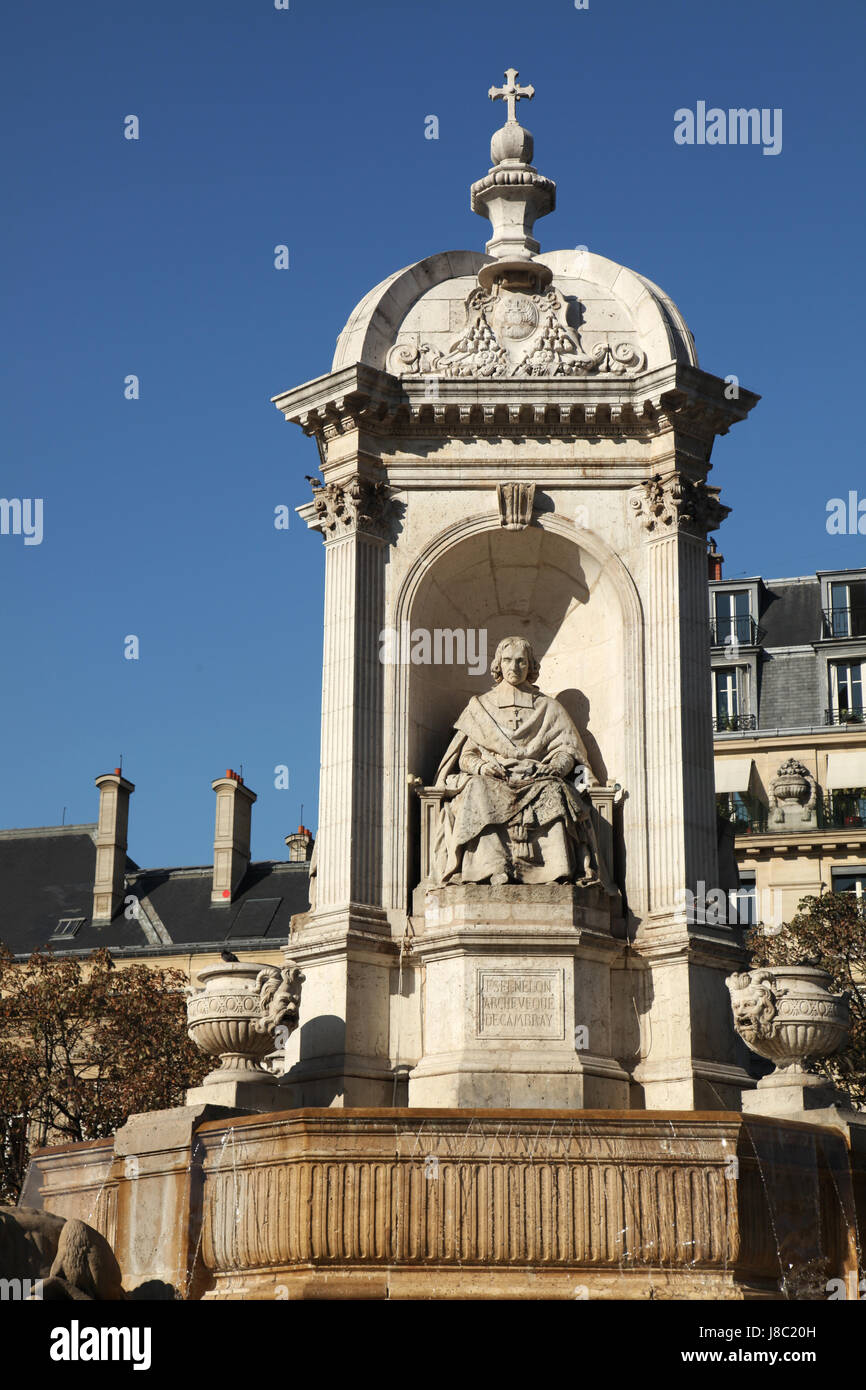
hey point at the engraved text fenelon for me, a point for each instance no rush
(520, 1004)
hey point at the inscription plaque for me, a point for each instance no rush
(520, 1004)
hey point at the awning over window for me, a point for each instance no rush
(733, 774)
(846, 769)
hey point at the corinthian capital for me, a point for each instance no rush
(676, 503)
(357, 505)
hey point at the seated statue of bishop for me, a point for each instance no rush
(514, 766)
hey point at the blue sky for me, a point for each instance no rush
(305, 126)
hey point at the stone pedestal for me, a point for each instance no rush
(516, 998)
(340, 1053)
(801, 1095)
(259, 1095)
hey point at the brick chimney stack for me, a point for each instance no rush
(300, 845)
(231, 846)
(714, 561)
(114, 794)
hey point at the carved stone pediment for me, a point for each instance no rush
(677, 503)
(513, 333)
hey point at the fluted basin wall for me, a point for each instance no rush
(623, 1204)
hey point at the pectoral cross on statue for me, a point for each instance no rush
(511, 93)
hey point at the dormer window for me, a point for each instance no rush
(732, 617)
(846, 614)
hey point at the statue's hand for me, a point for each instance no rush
(492, 770)
(561, 764)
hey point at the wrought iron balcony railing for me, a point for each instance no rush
(741, 629)
(844, 810)
(845, 716)
(843, 622)
(734, 723)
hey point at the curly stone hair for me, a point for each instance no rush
(496, 663)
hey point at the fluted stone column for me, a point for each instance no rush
(344, 946)
(691, 1060)
(350, 830)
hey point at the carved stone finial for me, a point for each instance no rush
(677, 503)
(513, 194)
(511, 93)
(516, 501)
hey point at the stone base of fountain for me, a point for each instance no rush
(794, 1092)
(466, 1204)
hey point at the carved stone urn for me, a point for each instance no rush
(237, 1016)
(789, 1013)
(793, 795)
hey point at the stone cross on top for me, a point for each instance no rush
(511, 93)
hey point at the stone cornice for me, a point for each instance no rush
(801, 842)
(677, 397)
(839, 738)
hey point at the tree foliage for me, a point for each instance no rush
(84, 1045)
(830, 932)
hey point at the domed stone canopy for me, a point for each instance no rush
(514, 313)
(599, 317)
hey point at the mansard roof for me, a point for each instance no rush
(47, 875)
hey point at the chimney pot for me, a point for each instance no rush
(300, 845)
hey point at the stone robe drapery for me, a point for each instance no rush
(533, 825)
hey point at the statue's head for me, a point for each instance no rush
(514, 662)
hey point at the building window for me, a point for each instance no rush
(851, 879)
(746, 813)
(846, 806)
(732, 617)
(66, 927)
(744, 902)
(846, 616)
(729, 685)
(846, 692)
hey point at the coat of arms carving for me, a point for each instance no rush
(510, 333)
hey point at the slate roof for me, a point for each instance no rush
(791, 612)
(47, 874)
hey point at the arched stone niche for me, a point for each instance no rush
(573, 598)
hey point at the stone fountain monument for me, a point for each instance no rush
(516, 1071)
(515, 445)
